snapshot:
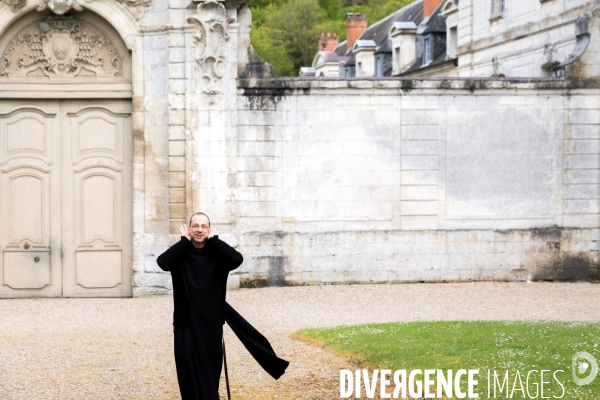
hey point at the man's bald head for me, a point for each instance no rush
(199, 213)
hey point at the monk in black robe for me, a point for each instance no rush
(199, 264)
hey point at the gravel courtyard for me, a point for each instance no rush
(122, 348)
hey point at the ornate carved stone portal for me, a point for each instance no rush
(212, 22)
(61, 47)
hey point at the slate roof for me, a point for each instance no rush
(330, 56)
(340, 49)
(434, 23)
(351, 61)
(418, 64)
(378, 32)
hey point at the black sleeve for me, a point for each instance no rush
(227, 255)
(167, 260)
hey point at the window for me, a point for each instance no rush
(397, 66)
(498, 7)
(426, 51)
(452, 42)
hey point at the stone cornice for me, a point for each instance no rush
(281, 86)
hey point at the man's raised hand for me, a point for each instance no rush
(212, 232)
(185, 231)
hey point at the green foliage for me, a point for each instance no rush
(333, 8)
(331, 27)
(485, 345)
(298, 20)
(286, 33)
(376, 10)
(272, 46)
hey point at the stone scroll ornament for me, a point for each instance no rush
(61, 47)
(212, 22)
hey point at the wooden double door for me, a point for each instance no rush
(65, 198)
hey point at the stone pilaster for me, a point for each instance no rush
(213, 137)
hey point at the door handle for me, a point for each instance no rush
(36, 259)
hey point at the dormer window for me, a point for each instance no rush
(427, 50)
(452, 42)
(498, 8)
(396, 61)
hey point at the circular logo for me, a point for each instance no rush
(584, 363)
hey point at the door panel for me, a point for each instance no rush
(65, 198)
(97, 132)
(98, 204)
(27, 131)
(30, 209)
(99, 269)
(27, 206)
(26, 270)
(98, 190)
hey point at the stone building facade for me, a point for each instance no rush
(476, 38)
(525, 38)
(118, 120)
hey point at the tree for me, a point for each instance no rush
(286, 33)
(272, 47)
(299, 19)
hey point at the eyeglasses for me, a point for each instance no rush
(196, 227)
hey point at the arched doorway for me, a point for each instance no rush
(65, 158)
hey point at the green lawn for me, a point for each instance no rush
(485, 345)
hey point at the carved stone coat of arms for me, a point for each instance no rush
(61, 47)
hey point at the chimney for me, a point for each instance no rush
(356, 23)
(429, 6)
(328, 42)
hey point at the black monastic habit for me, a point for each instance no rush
(199, 286)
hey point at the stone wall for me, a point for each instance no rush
(339, 181)
(390, 180)
(382, 256)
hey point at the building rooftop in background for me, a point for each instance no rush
(517, 38)
(359, 34)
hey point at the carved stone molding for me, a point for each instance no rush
(61, 47)
(498, 69)
(15, 5)
(135, 3)
(59, 6)
(550, 58)
(211, 43)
